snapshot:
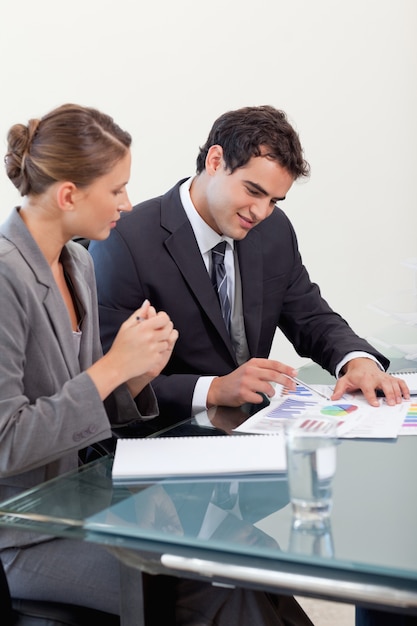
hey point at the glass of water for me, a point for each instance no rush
(313, 539)
(311, 444)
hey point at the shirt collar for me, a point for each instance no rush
(206, 237)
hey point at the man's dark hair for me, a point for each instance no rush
(252, 132)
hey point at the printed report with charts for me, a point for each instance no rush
(356, 418)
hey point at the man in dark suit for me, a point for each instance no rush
(162, 251)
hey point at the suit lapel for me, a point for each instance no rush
(61, 325)
(182, 246)
(45, 287)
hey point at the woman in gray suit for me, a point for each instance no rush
(58, 394)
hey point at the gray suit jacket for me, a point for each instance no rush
(49, 406)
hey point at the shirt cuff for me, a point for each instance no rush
(356, 355)
(200, 394)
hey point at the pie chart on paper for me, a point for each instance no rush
(338, 410)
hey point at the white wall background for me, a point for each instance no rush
(345, 73)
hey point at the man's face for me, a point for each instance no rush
(236, 203)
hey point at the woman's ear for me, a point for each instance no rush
(66, 196)
(214, 159)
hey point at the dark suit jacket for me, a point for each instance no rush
(153, 254)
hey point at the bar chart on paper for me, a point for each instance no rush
(298, 402)
(355, 417)
(409, 426)
(295, 404)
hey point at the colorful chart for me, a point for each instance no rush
(411, 418)
(301, 392)
(338, 410)
(291, 407)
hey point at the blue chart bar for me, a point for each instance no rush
(291, 407)
(302, 392)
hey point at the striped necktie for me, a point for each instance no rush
(219, 280)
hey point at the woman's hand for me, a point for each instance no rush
(140, 350)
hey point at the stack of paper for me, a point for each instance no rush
(173, 457)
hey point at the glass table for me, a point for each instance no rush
(241, 532)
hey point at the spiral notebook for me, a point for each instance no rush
(179, 457)
(410, 378)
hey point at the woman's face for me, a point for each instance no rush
(100, 204)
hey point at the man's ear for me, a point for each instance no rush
(214, 159)
(66, 196)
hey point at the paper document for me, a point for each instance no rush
(174, 457)
(356, 418)
(409, 377)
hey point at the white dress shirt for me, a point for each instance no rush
(207, 238)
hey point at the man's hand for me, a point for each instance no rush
(247, 382)
(364, 374)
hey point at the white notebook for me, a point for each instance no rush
(178, 457)
(410, 378)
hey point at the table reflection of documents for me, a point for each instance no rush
(222, 511)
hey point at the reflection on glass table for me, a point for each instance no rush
(242, 531)
(306, 538)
